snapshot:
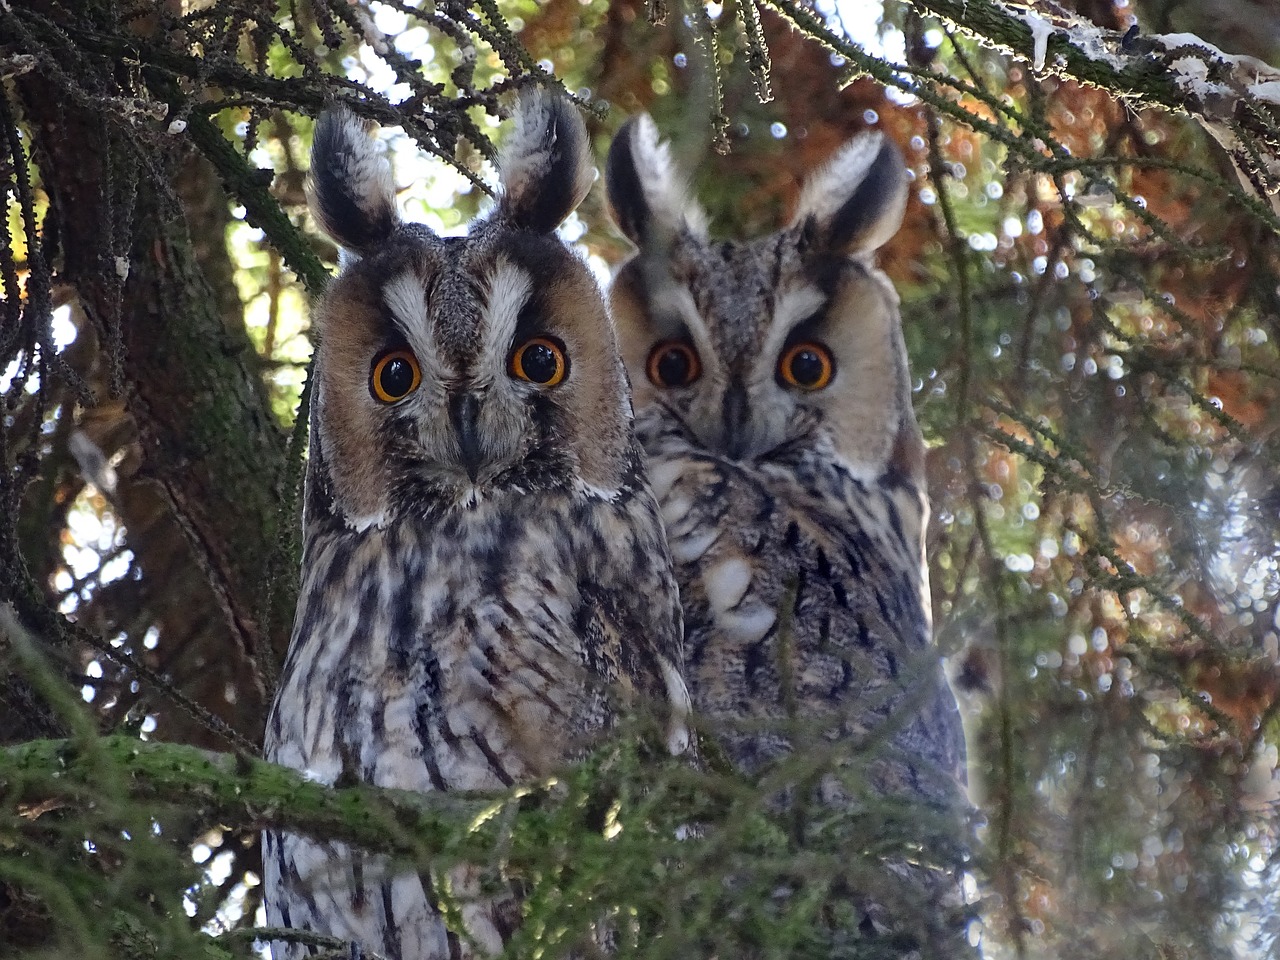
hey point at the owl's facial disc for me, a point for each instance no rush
(450, 369)
(514, 349)
(736, 349)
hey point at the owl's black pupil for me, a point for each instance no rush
(538, 361)
(396, 378)
(806, 368)
(673, 367)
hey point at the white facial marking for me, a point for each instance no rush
(793, 306)
(509, 289)
(406, 299)
(676, 300)
(407, 302)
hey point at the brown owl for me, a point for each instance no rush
(774, 405)
(485, 579)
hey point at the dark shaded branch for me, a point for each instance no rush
(203, 416)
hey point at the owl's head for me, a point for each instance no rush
(763, 346)
(451, 369)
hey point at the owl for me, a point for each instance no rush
(485, 578)
(773, 402)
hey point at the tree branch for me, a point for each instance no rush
(240, 791)
(1235, 98)
(202, 411)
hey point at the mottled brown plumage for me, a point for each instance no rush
(485, 579)
(773, 402)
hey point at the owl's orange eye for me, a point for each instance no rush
(541, 360)
(806, 365)
(395, 375)
(673, 363)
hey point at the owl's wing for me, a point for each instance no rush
(826, 575)
(635, 608)
(868, 611)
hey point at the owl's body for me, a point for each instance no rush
(773, 403)
(477, 523)
(803, 611)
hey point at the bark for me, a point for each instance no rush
(188, 373)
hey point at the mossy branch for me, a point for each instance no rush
(1128, 70)
(1195, 80)
(249, 187)
(239, 791)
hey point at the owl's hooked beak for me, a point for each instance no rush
(464, 413)
(735, 413)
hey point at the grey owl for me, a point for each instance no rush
(485, 579)
(773, 402)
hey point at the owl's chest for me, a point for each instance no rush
(799, 585)
(446, 662)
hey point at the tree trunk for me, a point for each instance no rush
(209, 439)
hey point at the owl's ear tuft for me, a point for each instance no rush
(545, 165)
(349, 189)
(856, 201)
(649, 199)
